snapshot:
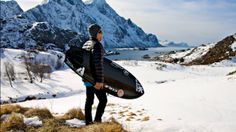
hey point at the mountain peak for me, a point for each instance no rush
(9, 9)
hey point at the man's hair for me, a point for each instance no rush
(93, 30)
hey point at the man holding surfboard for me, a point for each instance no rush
(97, 54)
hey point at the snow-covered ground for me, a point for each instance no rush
(177, 98)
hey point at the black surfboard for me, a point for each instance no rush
(118, 81)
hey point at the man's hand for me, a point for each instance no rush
(99, 85)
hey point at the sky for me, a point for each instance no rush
(193, 21)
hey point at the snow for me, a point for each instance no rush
(47, 89)
(177, 98)
(233, 46)
(33, 121)
(4, 116)
(88, 1)
(75, 122)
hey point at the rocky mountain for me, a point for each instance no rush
(9, 9)
(223, 49)
(19, 32)
(204, 54)
(77, 15)
(173, 44)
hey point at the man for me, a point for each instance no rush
(97, 53)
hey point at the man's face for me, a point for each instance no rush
(99, 35)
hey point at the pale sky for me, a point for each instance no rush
(191, 21)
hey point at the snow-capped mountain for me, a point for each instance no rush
(18, 32)
(77, 15)
(173, 44)
(9, 9)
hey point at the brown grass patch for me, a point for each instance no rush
(128, 119)
(8, 109)
(13, 122)
(111, 126)
(41, 113)
(111, 104)
(55, 125)
(112, 113)
(131, 114)
(146, 118)
(73, 113)
(52, 125)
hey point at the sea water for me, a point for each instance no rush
(130, 54)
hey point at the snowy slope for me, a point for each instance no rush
(177, 98)
(22, 88)
(77, 16)
(204, 54)
(9, 9)
(193, 53)
(190, 54)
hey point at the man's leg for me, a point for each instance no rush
(88, 104)
(102, 97)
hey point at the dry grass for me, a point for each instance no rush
(231, 73)
(146, 118)
(111, 126)
(50, 124)
(41, 113)
(8, 109)
(55, 125)
(131, 114)
(13, 122)
(73, 113)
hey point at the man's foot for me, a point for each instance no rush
(89, 123)
(97, 121)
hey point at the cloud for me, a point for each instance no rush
(193, 21)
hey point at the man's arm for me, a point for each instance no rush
(98, 64)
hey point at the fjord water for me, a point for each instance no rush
(128, 54)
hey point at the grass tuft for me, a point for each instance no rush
(14, 122)
(73, 113)
(41, 113)
(8, 109)
(111, 126)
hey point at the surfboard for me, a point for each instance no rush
(118, 81)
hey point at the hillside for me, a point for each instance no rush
(204, 54)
